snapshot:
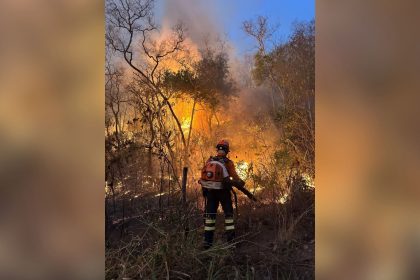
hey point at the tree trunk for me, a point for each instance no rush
(161, 187)
(184, 200)
(187, 148)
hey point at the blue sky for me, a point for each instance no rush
(280, 12)
(226, 16)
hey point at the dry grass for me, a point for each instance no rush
(276, 242)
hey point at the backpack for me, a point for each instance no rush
(213, 173)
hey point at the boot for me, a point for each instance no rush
(230, 235)
(208, 239)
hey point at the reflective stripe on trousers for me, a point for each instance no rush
(229, 224)
(210, 224)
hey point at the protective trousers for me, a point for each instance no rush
(213, 198)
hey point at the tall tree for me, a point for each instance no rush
(290, 69)
(131, 32)
(207, 82)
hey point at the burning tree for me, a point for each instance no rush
(130, 23)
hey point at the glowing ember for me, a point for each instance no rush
(308, 180)
(242, 169)
(186, 123)
(160, 194)
(107, 189)
(283, 199)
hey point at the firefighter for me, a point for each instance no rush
(218, 176)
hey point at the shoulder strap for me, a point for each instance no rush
(223, 160)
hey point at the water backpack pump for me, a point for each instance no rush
(213, 174)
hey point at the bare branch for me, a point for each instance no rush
(259, 30)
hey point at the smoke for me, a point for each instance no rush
(204, 28)
(245, 118)
(198, 16)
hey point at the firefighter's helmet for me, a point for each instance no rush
(223, 145)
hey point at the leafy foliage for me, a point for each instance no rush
(290, 69)
(209, 80)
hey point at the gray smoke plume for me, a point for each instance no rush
(199, 16)
(204, 27)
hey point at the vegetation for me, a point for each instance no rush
(168, 102)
